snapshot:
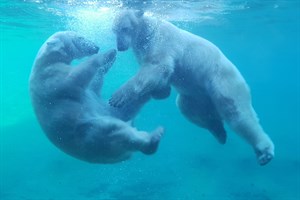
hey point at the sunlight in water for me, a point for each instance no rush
(94, 23)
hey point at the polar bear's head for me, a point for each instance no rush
(68, 46)
(124, 27)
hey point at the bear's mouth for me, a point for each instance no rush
(122, 44)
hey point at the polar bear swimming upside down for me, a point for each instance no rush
(66, 100)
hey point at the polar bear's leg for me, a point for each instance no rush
(83, 73)
(114, 137)
(135, 140)
(241, 117)
(202, 112)
(97, 81)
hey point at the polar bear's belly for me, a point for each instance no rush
(187, 84)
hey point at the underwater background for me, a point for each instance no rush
(260, 37)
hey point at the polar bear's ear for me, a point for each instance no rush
(51, 43)
(54, 45)
(139, 13)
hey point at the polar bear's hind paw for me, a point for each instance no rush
(264, 156)
(156, 135)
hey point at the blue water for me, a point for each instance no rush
(260, 37)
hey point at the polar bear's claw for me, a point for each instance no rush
(265, 155)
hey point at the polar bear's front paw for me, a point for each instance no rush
(265, 155)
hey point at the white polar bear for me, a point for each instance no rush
(67, 103)
(210, 87)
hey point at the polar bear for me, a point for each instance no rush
(67, 103)
(211, 89)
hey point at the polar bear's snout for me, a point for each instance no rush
(123, 43)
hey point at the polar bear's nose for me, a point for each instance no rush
(93, 50)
